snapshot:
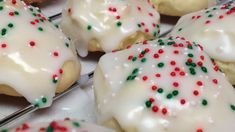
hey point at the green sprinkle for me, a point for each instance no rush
(40, 29)
(76, 124)
(169, 96)
(136, 70)
(36, 105)
(139, 25)
(31, 9)
(56, 25)
(39, 11)
(192, 71)
(16, 13)
(204, 69)
(50, 129)
(1, 8)
(193, 64)
(214, 8)
(160, 65)
(187, 63)
(143, 60)
(67, 45)
(180, 29)
(119, 24)
(134, 59)
(190, 55)
(158, 26)
(128, 78)
(10, 25)
(160, 40)
(160, 90)
(44, 100)
(143, 52)
(148, 104)
(4, 130)
(54, 80)
(170, 43)
(190, 47)
(210, 15)
(232, 107)
(34, 14)
(89, 27)
(204, 102)
(154, 33)
(133, 77)
(4, 31)
(175, 92)
(162, 43)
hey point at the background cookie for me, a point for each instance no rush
(179, 7)
(107, 26)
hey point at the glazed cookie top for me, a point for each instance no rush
(60, 126)
(32, 52)
(213, 28)
(110, 21)
(165, 85)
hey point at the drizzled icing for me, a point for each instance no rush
(66, 125)
(108, 21)
(213, 28)
(165, 85)
(32, 52)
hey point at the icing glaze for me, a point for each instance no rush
(32, 52)
(165, 85)
(213, 29)
(66, 125)
(108, 21)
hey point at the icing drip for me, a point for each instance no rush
(60, 126)
(213, 28)
(164, 85)
(108, 22)
(32, 52)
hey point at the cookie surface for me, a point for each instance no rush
(179, 7)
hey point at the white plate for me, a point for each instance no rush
(80, 103)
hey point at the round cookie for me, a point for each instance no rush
(36, 59)
(106, 25)
(165, 85)
(182, 7)
(60, 126)
(214, 29)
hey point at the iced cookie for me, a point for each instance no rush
(36, 59)
(214, 29)
(165, 85)
(179, 7)
(108, 25)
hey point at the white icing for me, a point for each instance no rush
(29, 69)
(217, 37)
(102, 15)
(125, 101)
(61, 126)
